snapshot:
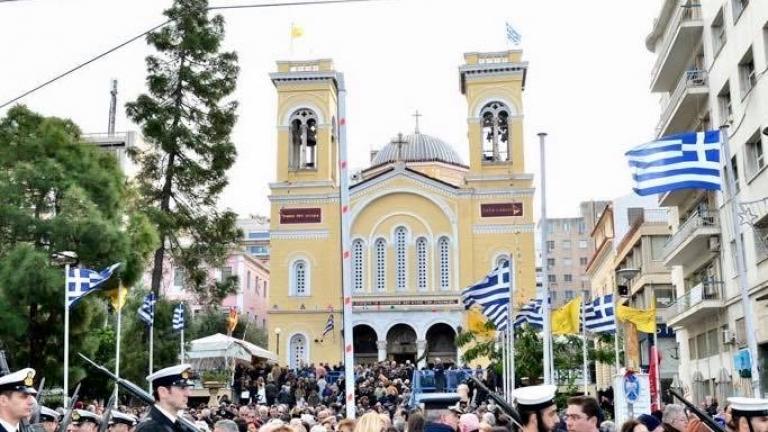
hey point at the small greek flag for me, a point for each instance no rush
(492, 295)
(178, 317)
(688, 160)
(512, 35)
(81, 282)
(328, 325)
(147, 309)
(599, 315)
(531, 313)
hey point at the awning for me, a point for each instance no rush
(212, 352)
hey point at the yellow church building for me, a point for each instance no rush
(424, 223)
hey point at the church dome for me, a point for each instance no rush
(419, 147)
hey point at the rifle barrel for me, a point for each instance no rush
(704, 417)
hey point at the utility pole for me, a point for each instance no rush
(112, 108)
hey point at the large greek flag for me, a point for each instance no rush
(178, 317)
(599, 315)
(147, 309)
(82, 281)
(688, 160)
(492, 295)
(531, 313)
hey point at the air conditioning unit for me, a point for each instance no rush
(714, 243)
(728, 337)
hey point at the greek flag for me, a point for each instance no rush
(82, 281)
(492, 295)
(328, 325)
(147, 309)
(531, 314)
(599, 315)
(178, 317)
(688, 160)
(512, 35)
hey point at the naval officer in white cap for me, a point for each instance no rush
(84, 421)
(749, 414)
(121, 422)
(536, 405)
(49, 419)
(16, 398)
(170, 387)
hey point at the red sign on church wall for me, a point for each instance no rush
(300, 215)
(501, 209)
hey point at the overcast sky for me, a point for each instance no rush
(587, 83)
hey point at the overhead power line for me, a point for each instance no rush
(139, 36)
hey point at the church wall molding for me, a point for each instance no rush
(492, 95)
(305, 199)
(292, 185)
(299, 234)
(502, 228)
(374, 195)
(499, 177)
(291, 105)
(376, 184)
(504, 192)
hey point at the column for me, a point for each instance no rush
(421, 346)
(382, 347)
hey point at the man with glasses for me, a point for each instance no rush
(536, 405)
(749, 414)
(583, 414)
(170, 387)
(674, 418)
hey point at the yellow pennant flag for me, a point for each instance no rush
(296, 31)
(476, 323)
(644, 319)
(565, 320)
(118, 296)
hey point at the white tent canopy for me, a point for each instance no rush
(216, 351)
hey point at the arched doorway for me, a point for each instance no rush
(401, 343)
(298, 351)
(364, 343)
(441, 343)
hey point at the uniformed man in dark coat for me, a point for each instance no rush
(170, 387)
(16, 399)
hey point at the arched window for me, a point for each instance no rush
(422, 278)
(303, 139)
(298, 350)
(501, 259)
(357, 265)
(495, 116)
(380, 250)
(299, 282)
(443, 246)
(401, 257)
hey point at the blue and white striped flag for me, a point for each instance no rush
(512, 34)
(492, 295)
(147, 309)
(530, 313)
(599, 315)
(82, 281)
(688, 160)
(328, 325)
(178, 317)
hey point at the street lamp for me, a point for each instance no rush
(277, 335)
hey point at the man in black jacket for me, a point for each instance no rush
(16, 399)
(170, 387)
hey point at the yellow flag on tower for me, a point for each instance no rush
(565, 320)
(296, 31)
(644, 319)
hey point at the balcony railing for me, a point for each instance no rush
(705, 218)
(703, 291)
(690, 79)
(689, 10)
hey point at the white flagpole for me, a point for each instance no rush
(182, 344)
(511, 325)
(741, 266)
(66, 335)
(547, 331)
(585, 370)
(151, 348)
(658, 368)
(117, 338)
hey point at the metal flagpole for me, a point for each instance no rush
(151, 349)
(117, 338)
(547, 331)
(511, 324)
(741, 265)
(346, 255)
(658, 369)
(585, 366)
(182, 341)
(504, 371)
(66, 335)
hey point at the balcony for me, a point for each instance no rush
(684, 103)
(702, 300)
(692, 239)
(682, 35)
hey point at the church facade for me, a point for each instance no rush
(424, 223)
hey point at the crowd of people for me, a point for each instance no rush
(311, 399)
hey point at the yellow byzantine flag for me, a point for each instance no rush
(565, 320)
(643, 319)
(476, 323)
(118, 297)
(296, 31)
(232, 320)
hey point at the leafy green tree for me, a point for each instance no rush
(186, 118)
(59, 194)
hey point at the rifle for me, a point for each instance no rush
(704, 417)
(108, 412)
(3, 364)
(504, 405)
(138, 392)
(67, 419)
(39, 397)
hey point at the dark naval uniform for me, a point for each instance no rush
(156, 421)
(20, 381)
(174, 376)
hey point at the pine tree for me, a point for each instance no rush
(59, 194)
(186, 118)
